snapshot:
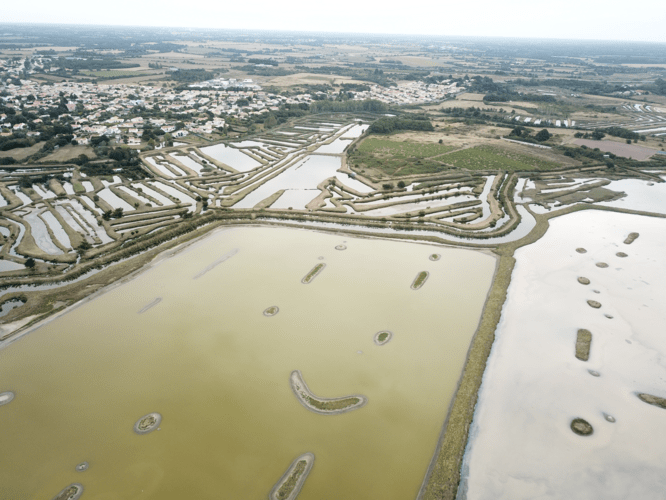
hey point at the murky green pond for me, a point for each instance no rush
(217, 369)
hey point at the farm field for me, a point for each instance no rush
(493, 158)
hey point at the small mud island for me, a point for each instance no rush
(420, 280)
(581, 427)
(435, 256)
(147, 423)
(583, 342)
(321, 405)
(313, 273)
(653, 400)
(271, 311)
(383, 337)
(72, 492)
(630, 239)
(290, 484)
(6, 397)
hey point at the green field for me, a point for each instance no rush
(399, 158)
(495, 158)
(114, 73)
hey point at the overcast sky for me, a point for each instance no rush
(641, 20)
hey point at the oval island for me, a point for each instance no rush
(420, 280)
(71, 492)
(321, 405)
(383, 337)
(6, 397)
(147, 423)
(271, 311)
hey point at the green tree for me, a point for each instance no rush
(30, 263)
(542, 135)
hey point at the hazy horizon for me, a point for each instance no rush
(566, 20)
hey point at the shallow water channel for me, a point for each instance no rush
(217, 369)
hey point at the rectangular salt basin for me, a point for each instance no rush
(160, 168)
(57, 229)
(89, 218)
(153, 194)
(336, 147)
(238, 401)
(112, 199)
(41, 234)
(44, 194)
(521, 444)
(134, 194)
(296, 198)
(185, 199)
(231, 157)
(306, 174)
(189, 162)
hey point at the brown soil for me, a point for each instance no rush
(594, 303)
(621, 254)
(602, 265)
(581, 250)
(583, 281)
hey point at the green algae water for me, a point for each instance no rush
(217, 370)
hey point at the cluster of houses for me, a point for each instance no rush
(416, 92)
(118, 110)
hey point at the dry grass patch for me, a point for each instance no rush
(630, 239)
(583, 342)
